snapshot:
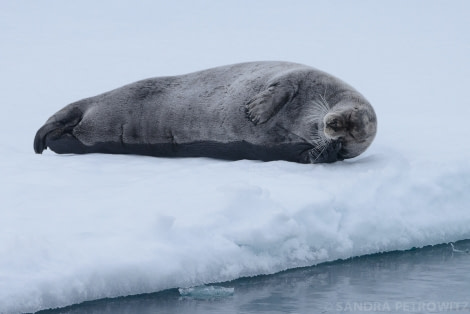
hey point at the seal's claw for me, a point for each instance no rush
(258, 109)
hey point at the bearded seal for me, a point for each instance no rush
(257, 110)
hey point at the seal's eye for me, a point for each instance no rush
(333, 123)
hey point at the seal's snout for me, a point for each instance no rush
(362, 124)
(359, 130)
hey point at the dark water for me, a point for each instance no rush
(433, 279)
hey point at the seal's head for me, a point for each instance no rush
(351, 123)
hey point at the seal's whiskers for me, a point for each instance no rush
(321, 144)
(319, 109)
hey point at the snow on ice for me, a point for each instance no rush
(77, 228)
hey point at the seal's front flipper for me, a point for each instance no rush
(57, 129)
(268, 102)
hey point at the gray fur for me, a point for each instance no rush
(261, 104)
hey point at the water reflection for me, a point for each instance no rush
(432, 279)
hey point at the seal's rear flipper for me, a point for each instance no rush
(58, 130)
